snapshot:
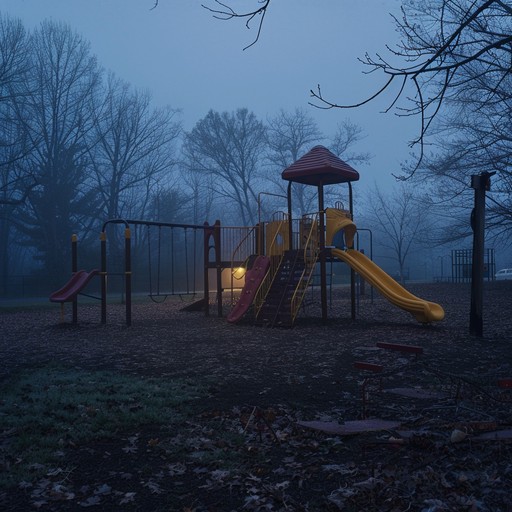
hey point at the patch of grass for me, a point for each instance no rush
(45, 411)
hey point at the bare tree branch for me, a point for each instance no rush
(440, 41)
(227, 13)
(439, 44)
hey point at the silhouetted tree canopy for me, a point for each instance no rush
(441, 43)
(229, 146)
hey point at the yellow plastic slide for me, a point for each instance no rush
(424, 311)
(339, 220)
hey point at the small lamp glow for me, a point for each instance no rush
(239, 272)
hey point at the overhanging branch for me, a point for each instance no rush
(225, 12)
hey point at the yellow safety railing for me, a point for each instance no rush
(310, 254)
(275, 251)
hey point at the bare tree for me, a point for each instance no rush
(346, 136)
(55, 116)
(400, 220)
(13, 57)
(14, 65)
(170, 204)
(229, 147)
(474, 135)
(201, 191)
(290, 135)
(132, 148)
(13, 187)
(440, 41)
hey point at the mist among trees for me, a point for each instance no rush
(78, 145)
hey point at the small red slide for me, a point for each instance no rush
(253, 279)
(74, 286)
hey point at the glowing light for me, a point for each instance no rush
(239, 272)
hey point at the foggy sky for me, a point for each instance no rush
(191, 61)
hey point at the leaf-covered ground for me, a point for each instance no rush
(240, 438)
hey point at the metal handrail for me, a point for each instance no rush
(245, 258)
(275, 262)
(310, 258)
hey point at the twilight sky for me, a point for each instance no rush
(193, 62)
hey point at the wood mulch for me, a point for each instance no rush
(244, 447)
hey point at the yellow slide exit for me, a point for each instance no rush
(423, 310)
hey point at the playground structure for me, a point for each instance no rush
(172, 257)
(276, 295)
(276, 259)
(75, 286)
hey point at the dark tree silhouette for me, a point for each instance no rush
(132, 149)
(290, 135)
(56, 116)
(228, 147)
(400, 220)
(440, 41)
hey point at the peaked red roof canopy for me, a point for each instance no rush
(320, 166)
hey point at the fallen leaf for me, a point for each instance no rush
(103, 489)
(458, 436)
(91, 501)
(129, 497)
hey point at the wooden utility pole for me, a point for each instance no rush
(480, 183)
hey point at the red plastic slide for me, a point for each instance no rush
(253, 279)
(74, 286)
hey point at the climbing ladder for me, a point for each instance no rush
(277, 310)
(289, 281)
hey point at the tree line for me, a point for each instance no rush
(78, 146)
(451, 68)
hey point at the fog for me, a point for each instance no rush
(189, 60)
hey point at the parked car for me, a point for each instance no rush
(503, 274)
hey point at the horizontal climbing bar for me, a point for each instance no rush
(412, 349)
(371, 367)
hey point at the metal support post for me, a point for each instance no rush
(480, 183)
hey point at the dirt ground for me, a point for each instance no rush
(244, 448)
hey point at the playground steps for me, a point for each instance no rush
(374, 374)
(276, 310)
